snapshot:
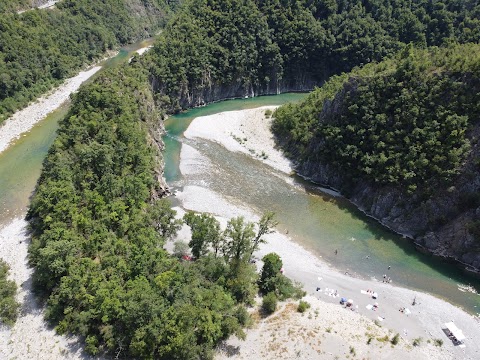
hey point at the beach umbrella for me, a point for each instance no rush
(350, 301)
(374, 295)
(343, 299)
(376, 304)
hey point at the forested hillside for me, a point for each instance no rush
(40, 48)
(401, 139)
(221, 49)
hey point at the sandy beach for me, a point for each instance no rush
(23, 120)
(425, 320)
(30, 337)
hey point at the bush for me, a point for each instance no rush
(8, 305)
(303, 306)
(268, 113)
(438, 342)
(180, 248)
(269, 304)
(417, 341)
(270, 276)
(352, 350)
(395, 339)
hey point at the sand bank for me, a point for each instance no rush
(23, 120)
(30, 337)
(425, 320)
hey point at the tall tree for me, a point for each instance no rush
(205, 232)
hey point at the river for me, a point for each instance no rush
(320, 222)
(315, 219)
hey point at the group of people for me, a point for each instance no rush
(386, 279)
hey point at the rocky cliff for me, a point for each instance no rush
(400, 140)
(438, 223)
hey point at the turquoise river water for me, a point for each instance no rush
(318, 221)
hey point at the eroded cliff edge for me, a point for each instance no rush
(400, 140)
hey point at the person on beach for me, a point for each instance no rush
(336, 251)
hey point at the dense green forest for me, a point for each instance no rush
(40, 48)
(98, 237)
(14, 5)
(218, 49)
(8, 304)
(403, 121)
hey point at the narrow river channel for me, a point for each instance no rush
(318, 221)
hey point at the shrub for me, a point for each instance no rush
(8, 305)
(438, 342)
(270, 276)
(352, 350)
(303, 306)
(180, 248)
(269, 304)
(395, 339)
(417, 341)
(268, 113)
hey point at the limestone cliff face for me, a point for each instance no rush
(211, 91)
(438, 223)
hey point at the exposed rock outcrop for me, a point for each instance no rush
(438, 222)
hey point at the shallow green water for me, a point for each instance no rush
(316, 220)
(20, 166)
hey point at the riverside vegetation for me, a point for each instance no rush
(39, 49)
(98, 236)
(408, 126)
(98, 227)
(8, 305)
(215, 49)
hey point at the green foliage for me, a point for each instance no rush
(239, 236)
(269, 303)
(303, 306)
(8, 304)
(98, 235)
(438, 342)
(389, 123)
(252, 45)
(205, 232)
(162, 217)
(41, 48)
(417, 341)
(14, 5)
(180, 248)
(395, 339)
(272, 264)
(241, 282)
(272, 280)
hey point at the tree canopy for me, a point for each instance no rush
(40, 48)
(402, 122)
(9, 306)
